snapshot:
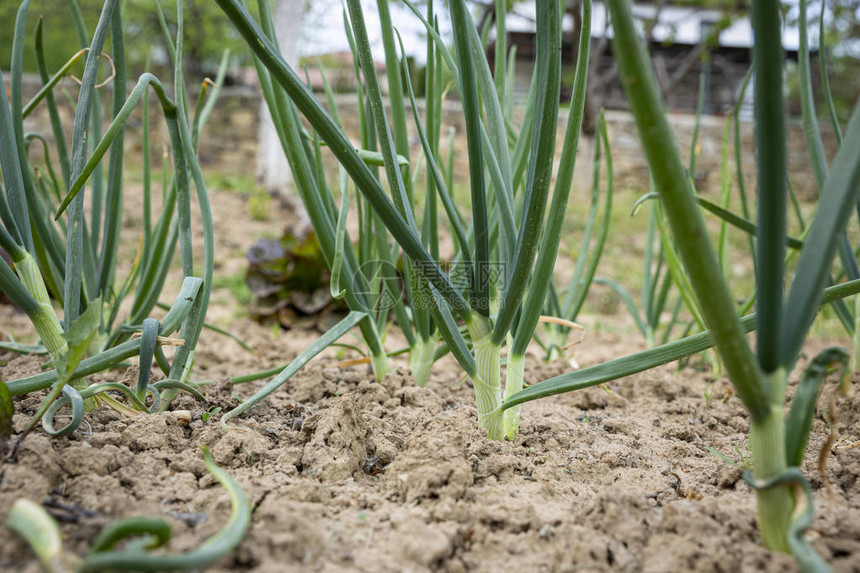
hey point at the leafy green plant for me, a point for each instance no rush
(778, 441)
(71, 258)
(288, 276)
(141, 536)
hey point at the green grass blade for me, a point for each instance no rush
(395, 80)
(180, 159)
(807, 102)
(770, 137)
(694, 141)
(147, 174)
(725, 198)
(572, 287)
(463, 26)
(647, 359)
(825, 232)
(454, 217)
(510, 82)
(430, 145)
(813, 133)
(329, 94)
(51, 104)
(148, 341)
(14, 135)
(331, 335)
(7, 410)
(795, 204)
(12, 287)
(363, 126)
(650, 274)
(114, 202)
(91, 234)
(548, 74)
(673, 320)
(13, 207)
(165, 32)
(113, 533)
(441, 44)
(739, 157)
(78, 21)
(449, 170)
(583, 281)
(523, 144)
(504, 199)
(374, 95)
(501, 49)
(75, 234)
(201, 116)
(684, 215)
(740, 222)
(825, 78)
(337, 292)
(285, 117)
(495, 118)
(115, 130)
(160, 247)
(42, 182)
(48, 81)
(184, 358)
(454, 339)
(620, 367)
(679, 275)
(628, 301)
(549, 243)
(798, 423)
(655, 312)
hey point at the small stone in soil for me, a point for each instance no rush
(190, 519)
(546, 531)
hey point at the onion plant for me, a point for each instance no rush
(510, 178)
(64, 252)
(660, 263)
(759, 376)
(566, 302)
(352, 273)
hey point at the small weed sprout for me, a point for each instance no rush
(211, 411)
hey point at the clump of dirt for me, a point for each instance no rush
(350, 474)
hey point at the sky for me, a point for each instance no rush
(323, 32)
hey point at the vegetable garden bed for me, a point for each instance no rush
(376, 463)
(348, 474)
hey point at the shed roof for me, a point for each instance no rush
(676, 24)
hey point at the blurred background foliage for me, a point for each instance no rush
(205, 40)
(211, 33)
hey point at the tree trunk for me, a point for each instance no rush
(273, 172)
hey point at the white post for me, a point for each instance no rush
(273, 172)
